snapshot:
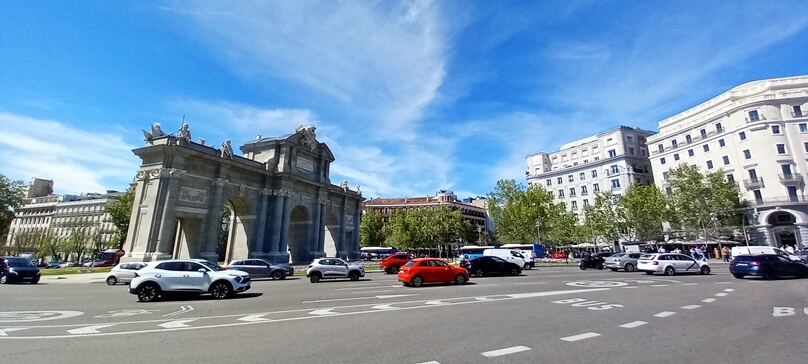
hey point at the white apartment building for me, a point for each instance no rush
(757, 134)
(613, 160)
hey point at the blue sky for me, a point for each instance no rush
(412, 97)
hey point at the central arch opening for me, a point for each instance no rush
(298, 241)
(331, 235)
(783, 228)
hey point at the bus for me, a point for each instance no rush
(370, 252)
(536, 249)
(471, 251)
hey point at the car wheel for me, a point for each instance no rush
(630, 267)
(526, 267)
(277, 275)
(479, 273)
(515, 271)
(669, 271)
(314, 278)
(4, 280)
(768, 275)
(582, 266)
(148, 292)
(354, 276)
(111, 280)
(704, 270)
(394, 269)
(417, 281)
(600, 266)
(35, 281)
(649, 273)
(739, 276)
(460, 279)
(221, 290)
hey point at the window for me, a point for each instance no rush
(574, 205)
(805, 145)
(797, 111)
(661, 148)
(742, 135)
(803, 127)
(676, 157)
(721, 143)
(642, 151)
(548, 182)
(689, 139)
(758, 196)
(690, 152)
(595, 188)
(781, 149)
(775, 129)
(747, 154)
(665, 175)
(674, 143)
(560, 180)
(612, 153)
(668, 192)
(586, 202)
(571, 178)
(709, 164)
(572, 191)
(730, 177)
(754, 116)
(615, 183)
(706, 147)
(662, 160)
(560, 193)
(631, 151)
(718, 127)
(752, 174)
(582, 176)
(595, 172)
(629, 138)
(583, 191)
(614, 169)
(725, 159)
(703, 133)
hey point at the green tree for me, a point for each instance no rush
(696, 198)
(427, 228)
(371, 229)
(121, 212)
(516, 211)
(50, 245)
(643, 209)
(400, 232)
(79, 240)
(28, 241)
(601, 217)
(11, 198)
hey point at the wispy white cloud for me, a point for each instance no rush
(78, 161)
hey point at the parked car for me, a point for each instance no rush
(510, 255)
(16, 269)
(487, 265)
(627, 261)
(54, 264)
(123, 273)
(803, 253)
(431, 270)
(768, 266)
(748, 250)
(327, 268)
(261, 268)
(671, 264)
(187, 276)
(391, 263)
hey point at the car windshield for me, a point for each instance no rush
(410, 263)
(19, 262)
(647, 256)
(211, 266)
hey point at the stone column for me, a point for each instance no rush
(284, 239)
(260, 246)
(341, 243)
(166, 235)
(354, 250)
(319, 229)
(274, 252)
(214, 222)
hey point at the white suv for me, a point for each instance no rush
(671, 264)
(187, 276)
(333, 268)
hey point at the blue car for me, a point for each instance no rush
(767, 266)
(16, 269)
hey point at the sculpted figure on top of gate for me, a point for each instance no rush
(309, 136)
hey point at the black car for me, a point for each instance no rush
(488, 265)
(16, 269)
(261, 268)
(768, 266)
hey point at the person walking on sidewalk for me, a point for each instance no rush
(725, 253)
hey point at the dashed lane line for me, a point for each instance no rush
(665, 314)
(586, 335)
(633, 324)
(630, 287)
(689, 284)
(659, 285)
(720, 294)
(430, 362)
(691, 307)
(506, 351)
(729, 290)
(708, 300)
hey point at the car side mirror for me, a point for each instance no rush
(202, 270)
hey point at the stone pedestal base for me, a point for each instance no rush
(210, 256)
(317, 254)
(276, 257)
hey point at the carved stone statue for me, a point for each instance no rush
(309, 136)
(358, 189)
(344, 186)
(185, 133)
(155, 132)
(201, 141)
(227, 150)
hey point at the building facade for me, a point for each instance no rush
(609, 161)
(472, 211)
(757, 134)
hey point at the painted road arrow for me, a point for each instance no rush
(176, 323)
(380, 297)
(386, 306)
(254, 318)
(4, 332)
(322, 312)
(88, 329)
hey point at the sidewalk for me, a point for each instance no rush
(74, 278)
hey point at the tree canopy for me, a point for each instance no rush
(371, 229)
(697, 197)
(11, 198)
(517, 210)
(121, 212)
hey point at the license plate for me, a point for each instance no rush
(742, 264)
(27, 277)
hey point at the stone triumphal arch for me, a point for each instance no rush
(282, 204)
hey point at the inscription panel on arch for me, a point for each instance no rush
(305, 164)
(193, 195)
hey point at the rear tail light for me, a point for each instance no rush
(655, 263)
(731, 262)
(754, 263)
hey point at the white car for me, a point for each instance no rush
(671, 264)
(326, 268)
(123, 272)
(187, 276)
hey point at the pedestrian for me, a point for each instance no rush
(716, 253)
(698, 254)
(662, 249)
(790, 249)
(725, 253)
(693, 253)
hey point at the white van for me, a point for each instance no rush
(513, 256)
(739, 250)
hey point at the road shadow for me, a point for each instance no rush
(207, 297)
(288, 278)
(342, 280)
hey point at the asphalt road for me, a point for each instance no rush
(551, 315)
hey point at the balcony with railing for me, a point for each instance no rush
(753, 183)
(785, 200)
(754, 120)
(798, 114)
(791, 178)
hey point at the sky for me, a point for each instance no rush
(412, 97)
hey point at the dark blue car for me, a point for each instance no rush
(767, 266)
(17, 269)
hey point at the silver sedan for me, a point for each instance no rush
(627, 261)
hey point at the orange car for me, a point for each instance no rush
(431, 270)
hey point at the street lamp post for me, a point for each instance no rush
(714, 219)
(538, 232)
(743, 220)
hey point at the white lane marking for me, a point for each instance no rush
(630, 287)
(381, 297)
(430, 362)
(554, 293)
(326, 311)
(4, 332)
(356, 288)
(379, 291)
(720, 294)
(729, 290)
(708, 300)
(722, 282)
(689, 284)
(176, 324)
(691, 307)
(665, 314)
(31, 316)
(182, 310)
(583, 336)
(88, 329)
(659, 285)
(253, 318)
(506, 351)
(386, 306)
(435, 302)
(530, 283)
(634, 324)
